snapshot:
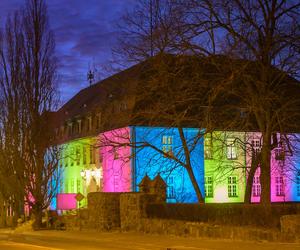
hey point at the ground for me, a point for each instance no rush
(58, 240)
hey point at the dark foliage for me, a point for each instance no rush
(225, 214)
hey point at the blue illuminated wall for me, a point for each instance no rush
(148, 161)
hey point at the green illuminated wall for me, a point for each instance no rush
(79, 155)
(224, 165)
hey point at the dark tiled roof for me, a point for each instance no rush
(134, 81)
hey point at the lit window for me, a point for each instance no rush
(116, 153)
(61, 186)
(279, 154)
(256, 187)
(66, 186)
(232, 186)
(77, 155)
(170, 188)
(167, 144)
(279, 186)
(100, 156)
(66, 159)
(84, 155)
(208, 148)
(298, 184)
(116, 183)
(256, 145)
(92, 155)
(209, 192)
(72, 186)
(72, 157)
(78, 184)
(231, 149)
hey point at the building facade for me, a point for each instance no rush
(107, 148)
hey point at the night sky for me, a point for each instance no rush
(85, 31)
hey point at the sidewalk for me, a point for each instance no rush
(149, 241)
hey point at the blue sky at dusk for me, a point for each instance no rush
(85, 31)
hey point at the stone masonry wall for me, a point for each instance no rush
(132, 209)
(196, 229)
(104, 211)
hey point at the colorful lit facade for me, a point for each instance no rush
(148, 160)
(107, 148)
(80, 172)
(219, 161)
(224, 166)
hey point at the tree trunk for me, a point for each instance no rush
(265, 173)
(38, 215)
(255, 161)
(195, 184)
(188, 166)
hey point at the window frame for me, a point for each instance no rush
(232, 186)
(208, 186)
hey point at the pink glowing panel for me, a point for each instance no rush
(115, 160)
(66, 201)
(283, 171)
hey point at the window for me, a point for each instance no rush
(89, 120)
(116, 154)
(209, 186)
(279, 186)
(298, 184)
(84, 155)
(77, 155)
(232, 186)
(92, 155)
(66, 159)
(123, 106)
(72, 186)
(70, 128)
(256, 145)
(170, 188)
(78, 185)
(116, 183)
(100, 156)
(79, 126)
(256, 187)
(208, 148)
(98, 121)
(72, 156)
(61, 186)
(66, 186)
(167, 144)
(62, 131)
(231, 149)
(279, 154)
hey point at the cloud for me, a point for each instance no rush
(84, 30)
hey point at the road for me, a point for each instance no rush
(60, 240)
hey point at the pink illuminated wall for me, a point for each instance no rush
(283, 173)
(115, 160)
(66, 201)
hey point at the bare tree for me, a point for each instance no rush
(266, 32)
(260, 44)
(29, 93)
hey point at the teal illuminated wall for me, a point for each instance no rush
(148, 161)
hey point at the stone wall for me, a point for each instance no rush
(104, 211)
(196, 229)
(132, 209)
(290, 224)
